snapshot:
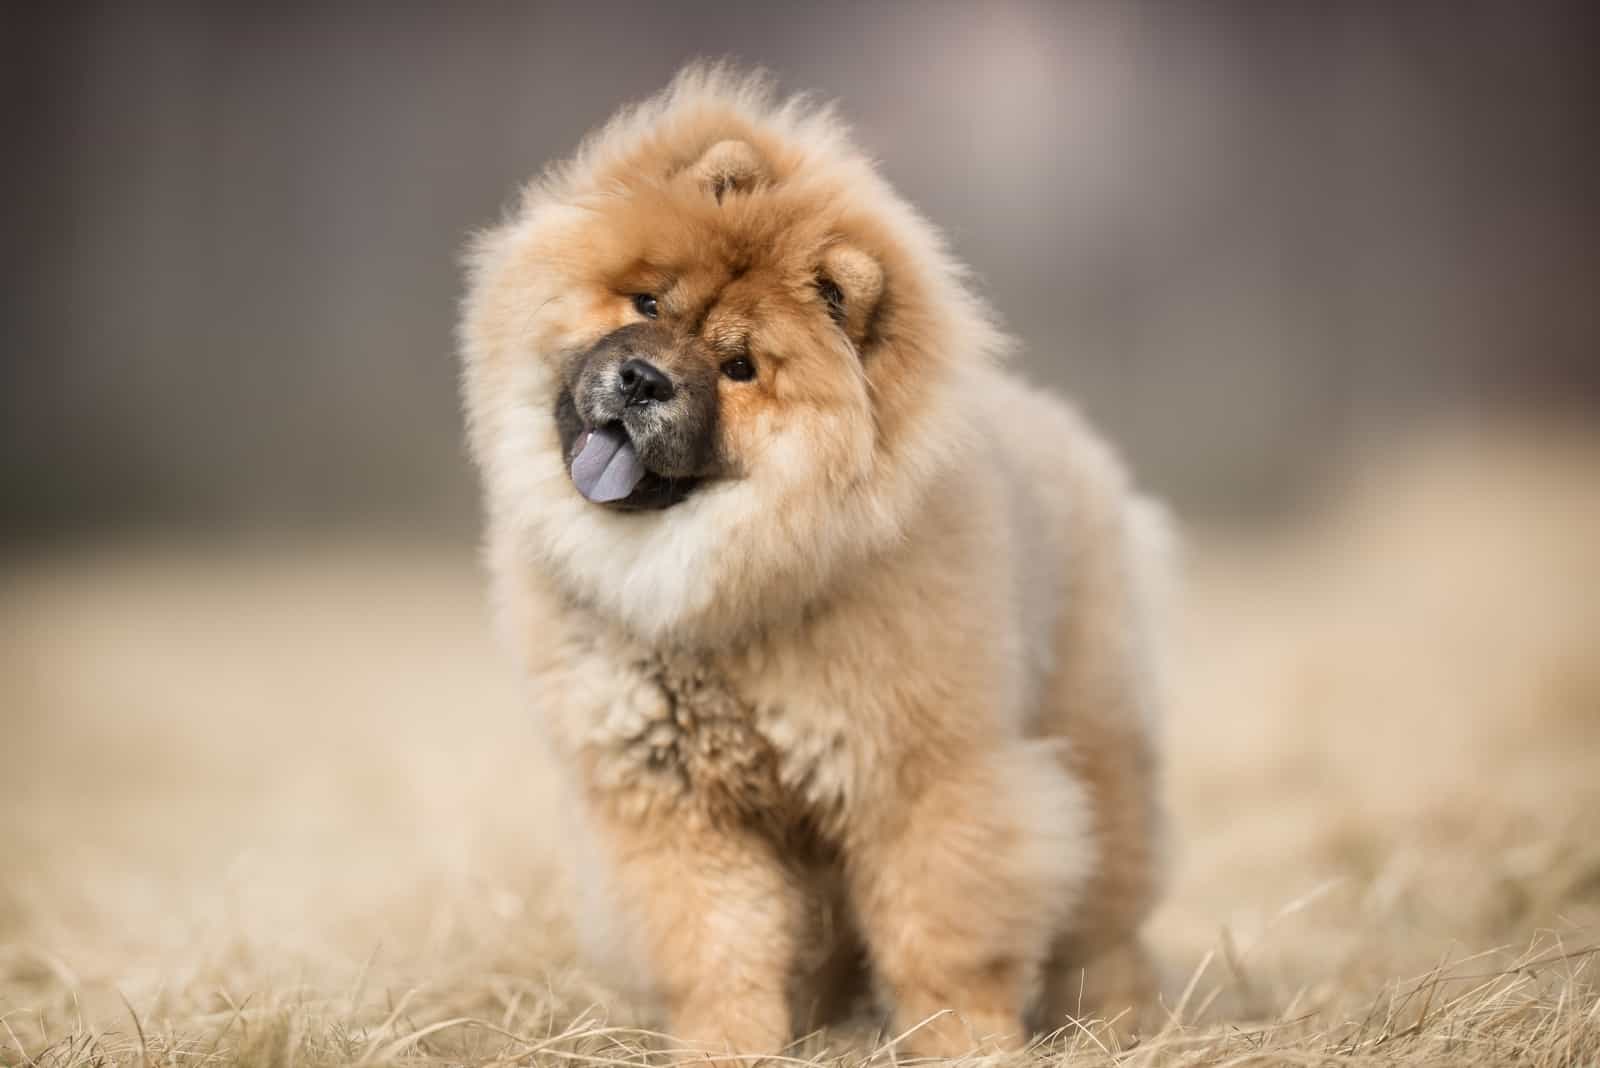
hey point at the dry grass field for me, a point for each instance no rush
(276, 803)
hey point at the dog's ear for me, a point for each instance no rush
(850, 283)
(729, 166)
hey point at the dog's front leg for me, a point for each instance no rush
(717, 918)
(959, 880)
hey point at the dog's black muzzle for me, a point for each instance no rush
(662, 394)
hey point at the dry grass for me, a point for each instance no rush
(276, 804)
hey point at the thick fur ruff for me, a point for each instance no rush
(878, 698)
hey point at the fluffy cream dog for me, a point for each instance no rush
(844, 633)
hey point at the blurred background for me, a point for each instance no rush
(1327, 273)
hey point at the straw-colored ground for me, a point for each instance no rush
(274, 804)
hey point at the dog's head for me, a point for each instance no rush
(712, 363)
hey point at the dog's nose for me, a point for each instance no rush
(642, 382)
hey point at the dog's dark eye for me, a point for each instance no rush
(646, 306)
(833, 297)
(740, 369)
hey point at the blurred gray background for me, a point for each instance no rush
(1247, 236)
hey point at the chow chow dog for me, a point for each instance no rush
(843, 636)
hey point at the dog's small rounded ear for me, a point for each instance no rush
(850, 283)
(729, 166)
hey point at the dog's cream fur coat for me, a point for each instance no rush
(880, 700)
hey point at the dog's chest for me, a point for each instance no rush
(685, 734)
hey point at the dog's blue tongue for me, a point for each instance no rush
(606, 468)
